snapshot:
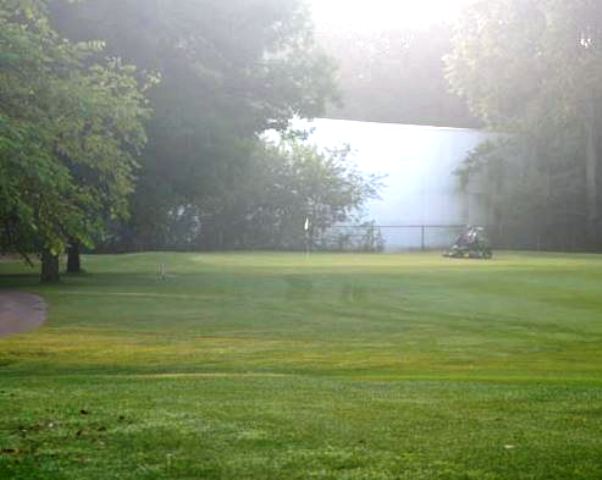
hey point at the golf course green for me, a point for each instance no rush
(280, 366)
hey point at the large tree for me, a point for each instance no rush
(279, 187)
(230, 70)
(69, 132)
(533, 69)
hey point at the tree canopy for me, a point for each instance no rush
(170, 153)
(395, 75)
(533, 70)
(70, 129)
(283, 184)
(229, 71)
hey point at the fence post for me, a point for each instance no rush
(422, 242)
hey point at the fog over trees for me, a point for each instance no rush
(532, 70)
(526, 70)
(229, 71)
(395, 76)
(166, 153)
(139, 124)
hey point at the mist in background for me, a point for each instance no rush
(419, 186)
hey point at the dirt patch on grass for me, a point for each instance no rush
(20, 312)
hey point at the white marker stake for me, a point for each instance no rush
(306, 227)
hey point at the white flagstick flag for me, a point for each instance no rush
(307, 237)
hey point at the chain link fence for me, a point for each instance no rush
(377, 238)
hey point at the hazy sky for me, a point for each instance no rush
(367, 15)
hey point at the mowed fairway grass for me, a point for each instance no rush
(275, 366)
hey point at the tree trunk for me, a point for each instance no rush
(73, 258)
(50, 267)
(591, 173)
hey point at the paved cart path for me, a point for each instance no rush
(20, 312)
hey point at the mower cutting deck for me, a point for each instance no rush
(473, 243)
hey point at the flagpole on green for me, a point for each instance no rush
(307, 245)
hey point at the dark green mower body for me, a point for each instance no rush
(473, 243)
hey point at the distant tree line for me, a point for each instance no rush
(96, 153)
(139, 124)
(528, 70)
(532, 71)
(395, 76)
(277, 187)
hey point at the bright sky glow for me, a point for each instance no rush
(374, 15)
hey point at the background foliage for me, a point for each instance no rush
(533, 70)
